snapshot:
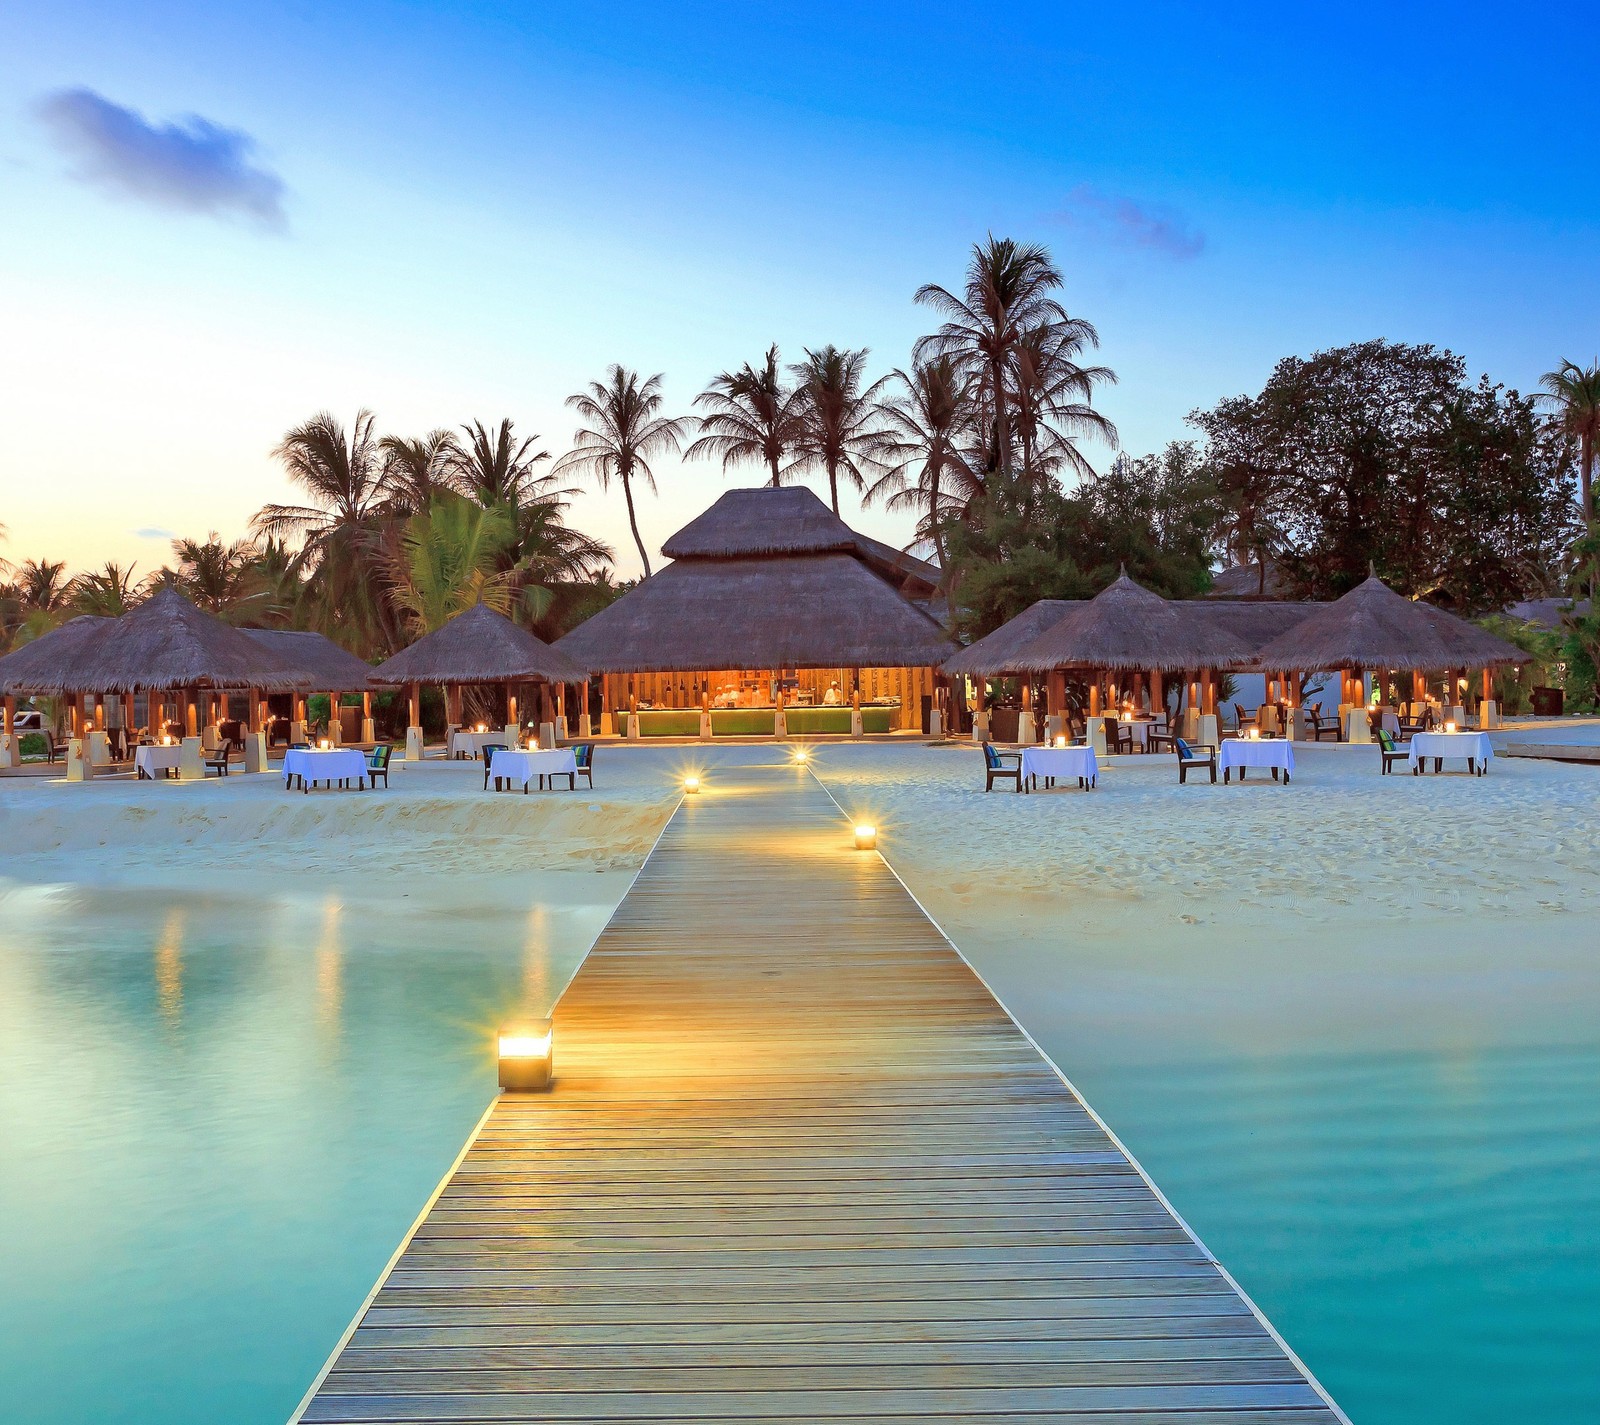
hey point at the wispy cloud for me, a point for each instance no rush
(189, 165)
(153, 532)
(1130, 223)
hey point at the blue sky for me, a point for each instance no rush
(449, 213)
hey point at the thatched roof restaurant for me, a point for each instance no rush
(770, 600)
(46, 667)
(330, 668)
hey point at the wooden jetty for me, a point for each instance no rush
(799, 1165)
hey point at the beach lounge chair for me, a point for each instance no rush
(1319, 725)
(490, 748)
(378, 765)
(1390, 750)
(1198, 754)
(583, 755)
(1005, 765)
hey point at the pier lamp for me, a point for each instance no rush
(866, 836)
(526, 1056)
(691, 784)
(802, 755)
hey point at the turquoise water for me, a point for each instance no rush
(217, 1119)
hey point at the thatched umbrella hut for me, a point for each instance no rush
(771, 608)
(1127, 629)
(332, 670)
(995, 656)
(43, 668)
(1374, 628)
(479, 647)
(168, 646)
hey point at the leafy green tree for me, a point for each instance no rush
(496, 468)
(839, 418)
(625, 430)
(416, 472)
(448, 558)
(750, 416)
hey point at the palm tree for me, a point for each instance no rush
(1007, 301)
(499, 469)
(840, 423)
(925, 446)
(342, 475)
(42, 585)
(1574, 396)
(446, 558)
(1051, 403)
(415, 472)
(625, 429)
(109, 591)
(222, 579)
(752, 416)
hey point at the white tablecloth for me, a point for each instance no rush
(1238, 753)
(154, 760)
(1059, 762)
(521, 766)
(473, 743)
(333, 766)
(1473, 746)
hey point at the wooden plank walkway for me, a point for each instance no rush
(799, 1174)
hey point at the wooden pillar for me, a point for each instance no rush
(253, 716)
(191, 712)
(128, 714)
(1094, 695)
(1488, 685)
(1158, 693)
(1208, 692)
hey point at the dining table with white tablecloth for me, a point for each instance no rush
(1053, 762)
(522, 765)
(156, 760)
(1238, 753)
(471, 744)
(312, 765)
(1474, 747)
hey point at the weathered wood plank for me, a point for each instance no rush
(799, 1167)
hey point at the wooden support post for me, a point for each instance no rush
(10, 754)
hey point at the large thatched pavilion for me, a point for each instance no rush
(482, 648)
(774, 617)
(182, 661)
(1373, 629)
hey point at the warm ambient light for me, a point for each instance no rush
(1254, 734)
(866, 837)
(482, 727)
(1450, 727)
(1061, 740)
(691, 785)
(801, 755)
(526, 1056)
(325, 745)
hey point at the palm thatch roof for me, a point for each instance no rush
(1253, 621)
(816, 611)
(167, 643)
(331, 669)
(45, 666)
(479, 646)
(746, 523)
(1127, 626)
(996, 652)
(1243, 581)
(1374, 627)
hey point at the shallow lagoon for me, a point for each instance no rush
(218, 1117)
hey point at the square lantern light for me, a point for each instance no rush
(866, 837)
(526, 1056)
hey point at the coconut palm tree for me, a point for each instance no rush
(42, 585)
(342, 476)
(1573, 394)
(1051, 403)
(840, 421)
(625, 429)
(222, 579)
(415, 472)
(109, 591)
(498, 469)
(751, 415)
(926, 448)
(447, 558)
(1008, 298)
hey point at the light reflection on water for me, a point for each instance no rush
(217, 1118)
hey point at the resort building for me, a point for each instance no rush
(774, 618)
